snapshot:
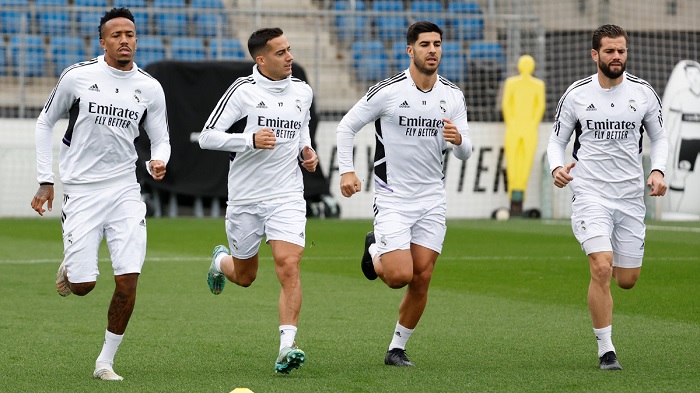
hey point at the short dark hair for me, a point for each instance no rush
(115, 13)
(258, 40)
(417, 28)
(609, 31)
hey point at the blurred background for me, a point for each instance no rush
(342, 47)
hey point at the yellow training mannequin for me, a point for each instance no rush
(523, 108)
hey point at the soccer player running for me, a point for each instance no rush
(265, 185)
(609, 111)
(416, 114)
(106, 98)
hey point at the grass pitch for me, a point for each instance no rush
(507, 313)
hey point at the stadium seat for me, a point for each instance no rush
(487, 52)
(207, 24)
(214, 4)
(95, 48)
(87, 23)
(390, 27)
(28, 55)
(226, 49)
(453, 64)
(88, 15)
(350, 27)
(370, 61)
(430, 10)
(467, 22)
(13, 20)
(52, 17)
(3, 57)
(65, 51)
(141, 15)
(171, 18)
(187, 48)
(208, 19)
(149, 49)
(399, 58)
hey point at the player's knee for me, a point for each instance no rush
(626, 281)
(626, 284)
(245, 280)
(82, 288)
(396, 281)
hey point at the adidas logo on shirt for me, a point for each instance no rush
(94, 88)
(261, 105)
(404, 105)
(591, 108)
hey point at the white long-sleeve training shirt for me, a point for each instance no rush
(609, 125)
(410, 146)
(105, 107)
(284, 107)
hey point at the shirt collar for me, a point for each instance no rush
(269, 84)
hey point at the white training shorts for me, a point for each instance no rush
(614, 225)
(278, 219)
(398, 224)
(114, 212)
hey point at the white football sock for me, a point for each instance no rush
(604, 338)
(373, 251)
(400, 337)
(287, 335)
(217, 261)
(109, 348)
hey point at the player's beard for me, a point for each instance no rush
(605, 69)
(421, 67)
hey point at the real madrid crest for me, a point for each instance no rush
(137, 96)
(632, 106)
(298, 105)
(443, 106)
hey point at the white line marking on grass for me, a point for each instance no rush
(672, 229)
(334, 259)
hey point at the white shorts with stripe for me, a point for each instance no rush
(278, 219)
(616, 225)
(399, 224)
(114, 212)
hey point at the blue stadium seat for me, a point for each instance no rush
(141, 16)
(208, 19)
(92, 3)
(226, 49)
(487, 53)
(87, 23)
(370, 61)
(171, 18)
(149, 49)
(207, 24)
(28, 55)
(351, 27)
(389, 27)
(52, 17)
(95, 48)
(14, 21)
(3, 57)
(215, 4)
(187, 48)
(88, 15)
(399, 58)
(430, 10)
(453, 64)
(65, 51)
(468, 22)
